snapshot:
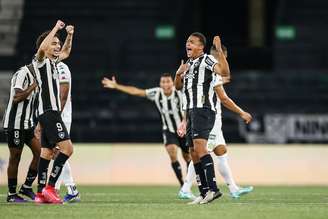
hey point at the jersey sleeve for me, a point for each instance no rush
(152, 92)
(210, 62)
(64, 73)
(21, 80)
(218, 81)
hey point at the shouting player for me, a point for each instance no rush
(169, 103)
(54, 131)
(197, 78)
(216, 142)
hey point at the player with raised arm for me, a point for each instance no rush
(169, 104)
(53, 130)
(197, 78)
(216, 142)
(19, 125)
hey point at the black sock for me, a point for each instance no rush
(177, 170)
(42, 173)
(31, 175)
(12, 184)
(208, 167)
(57, 168)
(201, 179)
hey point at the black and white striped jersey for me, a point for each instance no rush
(198, 83)
(20, 115)
(170, 107)
(47, 78)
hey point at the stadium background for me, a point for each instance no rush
(278, 58)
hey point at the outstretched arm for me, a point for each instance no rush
(231, 105)
(67, 47)
(222, 67)
(47, 41)
(131, 90)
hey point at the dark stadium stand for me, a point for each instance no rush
(117, 37)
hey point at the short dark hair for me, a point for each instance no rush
(166, 74)
(40, 39)
(201, 37)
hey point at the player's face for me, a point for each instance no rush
(194, 47)
(166, 83)
(53, 50)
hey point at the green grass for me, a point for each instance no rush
(156, 202)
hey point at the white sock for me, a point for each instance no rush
(226, 173)
(67, 179)
(189, 178)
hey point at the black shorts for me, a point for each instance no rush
(173, 138)
(53, 129)
(200, 122)
(16, 138)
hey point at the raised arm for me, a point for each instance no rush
(231, 105)
(47, 41)
(131, 90)
(178, 80)
(222, 67)
(67, 47)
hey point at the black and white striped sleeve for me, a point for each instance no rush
(210, 62)
(152, 93)
(21, 81)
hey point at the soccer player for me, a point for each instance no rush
(66, 105)
(169, 104)
(54, 132)
(216, 142)
(197, 78)
(19, 128)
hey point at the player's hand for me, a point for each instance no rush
(60, 25)
(182, 129)
(246, 117)
(217, 43)
(70, 29)
(34, 84)
(182, 68)
(37, 131)
(107, 83)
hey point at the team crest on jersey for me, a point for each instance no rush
(190, 75)
(16, 141)
(61, 135)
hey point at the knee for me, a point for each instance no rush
(172, 152)
(67, 150)
(220, 150)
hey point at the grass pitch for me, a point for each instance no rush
(158, 202)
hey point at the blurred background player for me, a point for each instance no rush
(53, 129)
(169, 104)
(197, 79)
(19, 128)
(66, 177)
(216, 142)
